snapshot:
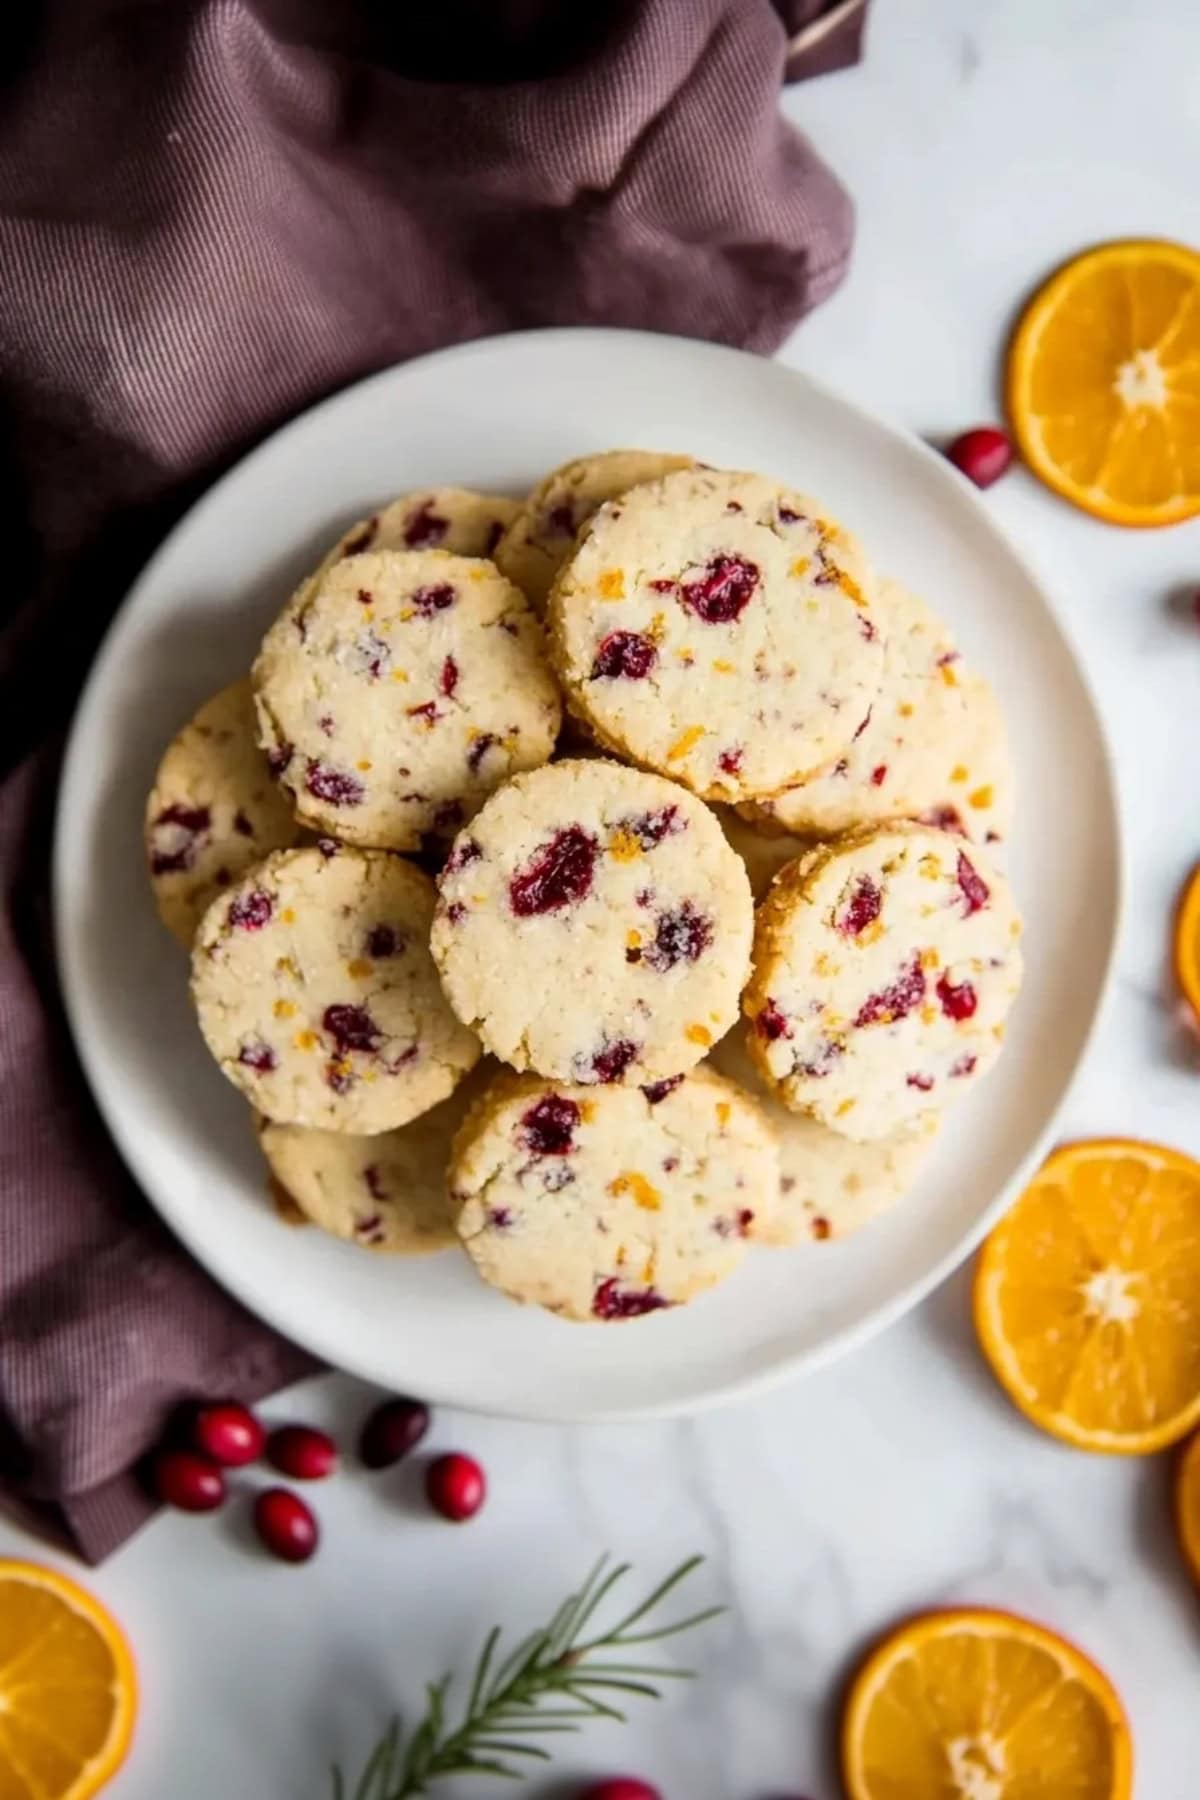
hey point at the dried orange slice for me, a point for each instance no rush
(1087, 1297)
(68, 1691)
(1187, 943)
(975, 1703)
(1187, 1505)
(1104, 382)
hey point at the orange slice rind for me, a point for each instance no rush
(1103, 382)
(1187, 1505)
(1087, 1297)
(977, 1702)
(1187, 943)
(68, 1689)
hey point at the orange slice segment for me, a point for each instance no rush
(1187, 943)
(68, 1691)
(1087, 1297)
(1187, 1506)
(1104, 382)
(980, 1705)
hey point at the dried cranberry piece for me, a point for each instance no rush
(682, 935)
(664, 586)
(467, 851)
(427, 711)
(362, 538)
(897, 1001)
(456, 912)
(787, 516)
(558, 874)
(258, 1055)
(863, 907)
(374, 1181)
(879, 775)
(339, 1077)
(250, 912)
(479, 749)
(429, 600)
(863, 726)
(658, 1090)
(771, 1023)
(337, 787)
(866, 627)
(730, 761)
(351, 1028)
(242, 825)
(975, 890)
(547, 1128)
(942, 818)
(185, 824)
(923, 1083)
(278, 759)
(959, 1002)
(723, 592)
(963, 1065)
(650, 828)
(383, 940)
(624, 654)
(738, 1226)
(499, 1217)
(611, 1061)
(495, 533)
(821, 1064)
(425, 527)
(449, 676)
(614, 1302)
(560, 520)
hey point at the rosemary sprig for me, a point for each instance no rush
(552, 1681)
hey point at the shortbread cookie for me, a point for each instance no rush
(594, 925)
(762, 846)
(829, 1186)
(386, 1193)
(542, 535)
(448, 518)
(317, 994)
(933, 749)
(214, 811)
(720, 629)
(403, 690)
(614, 1202)
(884, 969)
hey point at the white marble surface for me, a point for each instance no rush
(984, 142)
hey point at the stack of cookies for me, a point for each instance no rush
(537, 1055)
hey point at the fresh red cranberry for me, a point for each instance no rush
(257, 1054)
(286, 1526)
(621, 1787)
(228, 1433)
(723, 592)
(982, 454)
(963, 1065)
(430, 600)
(547, 1128)
(611, 1301)
(879, 775)
(479, 749)
(957, 1002)
(611, 1061)
(730, 761)
(558, 874)
(335, 786)
(863, 907)
(897, 1001)
(680, 936)
(302, 1452)
(351, 1028)
(175, 834)
(650, 828)
(362, 539)
(391, 1431)
(975, 890)
(658, 1090)
(250, 912)
(624, 655)
(464, 852)
(922, 1083)
(382, 941)
(456, 1486)
(425, 527)
(449, 676)
(771, 1023)
(190, 1482)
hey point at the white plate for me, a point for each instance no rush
(495, 415)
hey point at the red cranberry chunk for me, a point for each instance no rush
(449, 679)
(658, 1090)
(722, 592)
(250, 912)
(500, 1218)
(863, 907)
(788, 516)
(650, 828)
(942, 818)
(339, 1077)
(176, 833)
(374, 1182)
(424, 527)
(559, 874)
(479, 749)
(896, 1001)
(975, 890)
(771, 1023)
(560, 520)
(548, 1127)
(738, 1226)
(612, 1059)
(866, 627)
(624, 654)
(430, 600)
(865, 723)
(922, 1083)
(258, 1055)
(456, 912)
(337, 787)
(879, 775)
(351, 1028)
(242, 825)
(468, 851)
(611, 1301)
(820, 1065)
(383, 940)
(362, 539)
(680, 936)
(427, 711)
(959, 1002)
(730, 761)
(963, 1065)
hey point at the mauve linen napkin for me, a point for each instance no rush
(212, 212)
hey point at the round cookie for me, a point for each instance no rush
(541, 537)
(762, 847)
(448, 518)
(213, 812)
(829, 1186)
(934, 748)
(611, 1203)
(717, 628)
(885, 966)
(386, 1193)
(404, 688)
(317, 995)
(594, 925)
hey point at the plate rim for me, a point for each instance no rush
(787, 1368)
